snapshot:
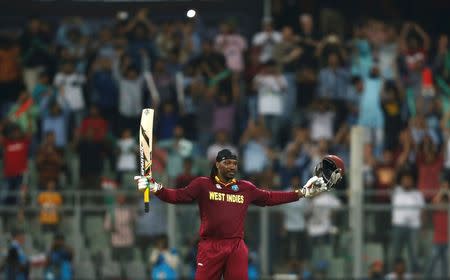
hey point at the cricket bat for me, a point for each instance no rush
(145, 149)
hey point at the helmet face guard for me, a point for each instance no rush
(329, 165)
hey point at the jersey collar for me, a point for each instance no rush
(217, 179)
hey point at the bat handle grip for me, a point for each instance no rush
(147, 200)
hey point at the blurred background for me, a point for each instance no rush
(280, 82)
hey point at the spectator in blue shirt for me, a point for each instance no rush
(59, 260)
(16, 265)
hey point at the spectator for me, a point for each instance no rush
(126, 160)
(168, 120)
(94, 123)
(120, 222)
(16, 264)
(256, 153)
(130, 92)
(165, 39)
(104, 90)
(384, 173)
(288, 169)
(391, 104)
(70, 83)
(399, 271)
(376, 271)
(271, 86)
(164, 262)
(224, 113)
(429, 165)
(43, 89)
(414, 45)
(55, 119)
(320, 226)
(440, 236)
(294, 231)
(221, 142)
(441, 67)
(300, 146)
(50, 202)
(370, 112)
(308, 63)
(49, 161)
(231, 45)
(333, 80)
(407, 203)
(266, 40)
(24, 113)
(138, 31)
(178, 148)
(191, 41)
(15, 146)
(59, 260)
(10, 72)
(186, 177)
(91, 155)
(322, 118)
(388, 53)
(164, 82)
(287, 53)
(35, 51)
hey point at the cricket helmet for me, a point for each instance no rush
(328, 165)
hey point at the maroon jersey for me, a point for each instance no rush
(223, 208)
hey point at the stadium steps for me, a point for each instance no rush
(84, 271)
(36, 273)
(337, 268)
(136, 270)
(110, 270)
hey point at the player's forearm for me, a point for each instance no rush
(280, 197)
(174, 196)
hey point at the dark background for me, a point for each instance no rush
(433, 15)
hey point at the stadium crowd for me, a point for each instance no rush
(282, 98)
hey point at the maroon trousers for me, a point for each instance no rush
(227, 257)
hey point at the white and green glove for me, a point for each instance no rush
(144, 182)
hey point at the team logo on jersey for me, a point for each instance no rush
(235, 188)
(218, 186)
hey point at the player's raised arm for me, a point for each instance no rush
(175, 196)
(327, 174)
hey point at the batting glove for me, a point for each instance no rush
(313, 187)
(144, 182)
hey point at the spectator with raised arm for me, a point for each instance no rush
(231, 45)
(266, 39)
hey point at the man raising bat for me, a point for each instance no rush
(223, 202)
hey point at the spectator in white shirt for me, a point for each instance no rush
(231, 45)
(271, 85)
(221, 142)
(127, 149)
(70, 83)
(294, 230)
(266, 40)
(320, 224)
(407, 203)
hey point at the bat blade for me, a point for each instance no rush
(145, 148)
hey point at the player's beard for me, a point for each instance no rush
(228, 175)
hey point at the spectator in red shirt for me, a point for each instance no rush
(440, 237)
(15, 157)
(96, 123)
(430, 162)
(186, 177)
